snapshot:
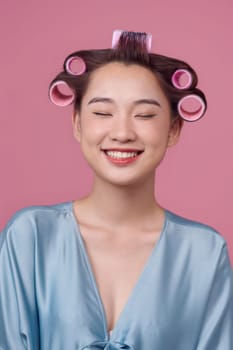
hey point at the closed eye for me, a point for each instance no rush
(103, 114)
(146, 115)
(139, 115)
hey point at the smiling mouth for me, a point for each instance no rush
(122, 154)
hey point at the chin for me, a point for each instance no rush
(125, 181)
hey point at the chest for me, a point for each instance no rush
(117, 262)
(142, 300)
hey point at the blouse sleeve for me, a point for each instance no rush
(18, 314)
(217, 328)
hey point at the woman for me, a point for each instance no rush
(115, 270)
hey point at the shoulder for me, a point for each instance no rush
(202, 239)
(26, 222)
(194, 228)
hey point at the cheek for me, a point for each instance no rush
(157, 134)
(92, 133)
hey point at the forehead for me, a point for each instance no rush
(131, 79)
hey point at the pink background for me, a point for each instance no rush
(41, 163)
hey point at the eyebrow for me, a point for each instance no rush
(149, 101)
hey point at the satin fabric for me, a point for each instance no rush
(49, 300)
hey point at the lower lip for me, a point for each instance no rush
(122, 161)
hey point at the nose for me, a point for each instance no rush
(122, 129)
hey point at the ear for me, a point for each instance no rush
(76, 121)
(174, 133)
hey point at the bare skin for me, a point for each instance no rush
(118, 249)
(117, 255)
(120, 220)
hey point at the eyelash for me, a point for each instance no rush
(97, 113)
(142, 116)
(147, 116)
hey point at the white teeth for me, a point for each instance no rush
(121, 155)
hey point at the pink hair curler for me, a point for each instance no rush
(182, 79)
(75, 65)
(191, 108)
(115, 37)
(117, 34)
(61, 94)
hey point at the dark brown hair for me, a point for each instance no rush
(131, 49)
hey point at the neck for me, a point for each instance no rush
(123, 206)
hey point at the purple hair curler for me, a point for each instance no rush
(75, 65)
(61, 94)
(178, 76)
(191, 107)
(117, 33)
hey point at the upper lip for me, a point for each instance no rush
(123, 149)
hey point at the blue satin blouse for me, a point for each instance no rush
(49, 300)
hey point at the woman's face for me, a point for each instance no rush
(124, 109)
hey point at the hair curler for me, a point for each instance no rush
(191, 107)
(182, 79)
(75, 65)
(117, 34)
(61, 94)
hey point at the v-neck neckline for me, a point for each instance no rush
(136, 284)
